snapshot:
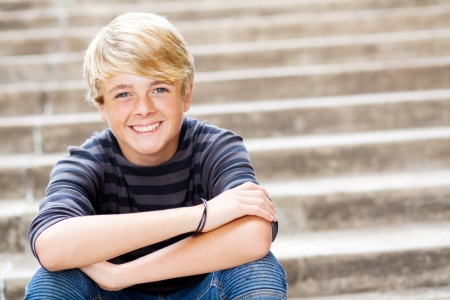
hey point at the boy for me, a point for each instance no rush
(125, 215)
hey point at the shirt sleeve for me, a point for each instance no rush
(75, 183)
(226, 164)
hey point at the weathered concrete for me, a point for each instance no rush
(361, 201)
(344, 106)
(100, 13)
(430, 293)
(287, 26)
(263, 54)
(353, 154)
(16, 279)
(262, 84)
(382, 258)
(15, 217)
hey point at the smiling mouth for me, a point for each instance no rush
(148, 128)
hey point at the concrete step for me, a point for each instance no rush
(251, 55)
(410, 150)
(429, 293)
(66, 97)
(323, 80)
(98, 14)
(305, 116)
(21, 5)
(243, 29)
(329, 23)
(15, 217)
(16, 271)
(361, 260)
(283, 158)
(361, 200)
(322, 50)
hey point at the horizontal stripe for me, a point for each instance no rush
(97, 177)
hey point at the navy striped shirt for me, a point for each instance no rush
(96, 179)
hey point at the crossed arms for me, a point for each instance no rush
(237, 231)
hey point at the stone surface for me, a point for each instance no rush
(315, 157)
(252, 28)
(325, 80)
(102, 13)
(15, 217)
(250, 55)
(434, 293)
(382, 258)
(361, 200)
(344, 106)
(16, 279)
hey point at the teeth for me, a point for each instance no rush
(146, 128)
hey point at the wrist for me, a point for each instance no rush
(202, 221)
(195, 216)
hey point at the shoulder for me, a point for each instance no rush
(212, 142)
(99, 145)
(90, 157)
(196, 131)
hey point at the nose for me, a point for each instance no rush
(144, 106)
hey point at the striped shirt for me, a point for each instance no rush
(97, 179)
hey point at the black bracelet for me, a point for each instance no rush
(202, 222)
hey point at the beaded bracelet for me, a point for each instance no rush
(202, 222)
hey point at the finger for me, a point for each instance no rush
(257, 211)
(261, 204)
(257, 194)
(251, 186)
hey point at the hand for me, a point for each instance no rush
(105, 274)
(246, 199)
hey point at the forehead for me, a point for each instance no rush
(126, 80)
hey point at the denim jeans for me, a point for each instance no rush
(262, 279)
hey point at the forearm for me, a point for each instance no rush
(236, 243)
(82, 241)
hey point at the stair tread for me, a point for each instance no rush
(252, 46)
(294, 18)
(380, 239)
(429, 293)
(359, 183)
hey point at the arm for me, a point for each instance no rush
(72, 243)
(236, 243)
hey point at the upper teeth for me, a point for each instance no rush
(146, 128)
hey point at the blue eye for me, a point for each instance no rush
(160, 90)
(122, 95)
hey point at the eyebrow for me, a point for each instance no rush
(127, 86)
(120, 86)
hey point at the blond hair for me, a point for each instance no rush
(142, 44)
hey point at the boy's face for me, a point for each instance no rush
(145, 116)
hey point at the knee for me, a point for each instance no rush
(269, 270)
(265, 274)
(68, 284)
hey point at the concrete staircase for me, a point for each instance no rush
(344, 106)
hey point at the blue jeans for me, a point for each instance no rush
(261, 279)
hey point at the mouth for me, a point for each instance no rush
(148, 128)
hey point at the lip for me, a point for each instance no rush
(145, 128)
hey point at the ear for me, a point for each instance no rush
(188, 98)
(101, 110)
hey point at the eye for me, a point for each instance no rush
(160, 90)
(122, 95)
